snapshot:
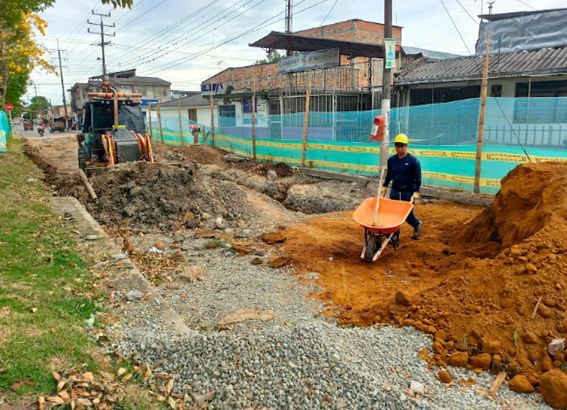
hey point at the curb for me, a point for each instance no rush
(124, 275)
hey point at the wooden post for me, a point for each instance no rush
(306, 122)
(180, 122)
(254, 123)
(212, 115)
(89, 187)
(150, 115)
(159, 121)
(483, 89)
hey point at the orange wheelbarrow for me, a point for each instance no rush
(381, 225)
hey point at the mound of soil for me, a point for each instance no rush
(513, 305)
(203, 154)
(163, 196)
(491, 292)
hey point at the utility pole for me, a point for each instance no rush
(483, 92)
(102, 43)
(288, 19)
(61, 66)
(386, 86)
(386, 91)
(288, 16)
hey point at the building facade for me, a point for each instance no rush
(346, 76)
(151, 88)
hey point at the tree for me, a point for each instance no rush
(272, 57)
(39, 104)
(119, 3)
(20, 53)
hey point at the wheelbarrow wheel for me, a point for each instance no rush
(372, 245)
(395, 240)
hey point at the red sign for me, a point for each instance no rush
(9, 107)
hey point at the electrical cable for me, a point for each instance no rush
(526, 4)
(174, 40)
(512, 128)
(254, 29)
(456, 28)
(475, 21)
(330, 11)
(204, 25)
(143, 14)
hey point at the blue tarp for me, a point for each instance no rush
(4, 131)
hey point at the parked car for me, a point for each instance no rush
(28, 125)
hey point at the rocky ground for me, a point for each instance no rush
(253, 336)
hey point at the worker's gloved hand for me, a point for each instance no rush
(416, 195)
(383, 191)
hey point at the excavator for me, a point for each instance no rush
(113, 130)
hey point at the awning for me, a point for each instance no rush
(292, 42)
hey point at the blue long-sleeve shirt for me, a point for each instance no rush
(404, 172)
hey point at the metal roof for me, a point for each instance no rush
(520, 64)
(504, 16)
(195, 100)
(293, 42)
(139, 80)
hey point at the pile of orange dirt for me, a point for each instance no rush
(489, 286)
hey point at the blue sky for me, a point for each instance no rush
(182, 41)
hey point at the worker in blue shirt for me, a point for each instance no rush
(404, 171)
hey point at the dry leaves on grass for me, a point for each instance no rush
(82, 390)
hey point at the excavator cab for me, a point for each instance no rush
(113, 130)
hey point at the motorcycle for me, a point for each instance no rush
(41, 129)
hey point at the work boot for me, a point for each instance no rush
(416, 232)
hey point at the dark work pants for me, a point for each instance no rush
(405, 196)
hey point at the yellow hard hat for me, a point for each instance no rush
(401, 138)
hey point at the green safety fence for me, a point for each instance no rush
(442, 136)
(4, 131)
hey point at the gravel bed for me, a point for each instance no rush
(312, 365)
(298, 359)
(231, 284)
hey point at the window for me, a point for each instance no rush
(227, 115)
(496, 90)
(443, 94)
(541, 111)
(192, 114)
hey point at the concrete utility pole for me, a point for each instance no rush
(386, 86)
(288, 19)
(386, 91)
(102, 43)
(62, 81)
(288, 16)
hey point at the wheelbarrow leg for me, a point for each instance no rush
(384, 244)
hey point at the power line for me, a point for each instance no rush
(164, 53)
(455, 25)
(468, 13)
(172, 38)
(526, 4)
(143, 14)
(129, 11)
(330, 11)
(254, 29)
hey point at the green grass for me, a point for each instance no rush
(46, 291)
